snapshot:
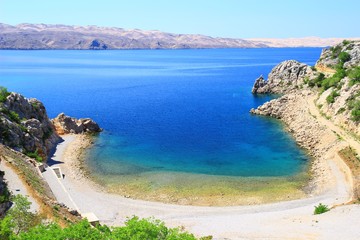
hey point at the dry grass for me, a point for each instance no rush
(351, 159)
(36, 186)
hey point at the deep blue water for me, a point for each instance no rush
(165, 110)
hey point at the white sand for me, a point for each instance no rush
(285, 220)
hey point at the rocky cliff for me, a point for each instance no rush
(284, 77)
(335, 79)
(25, 126)
(347, 52)
(319, 105)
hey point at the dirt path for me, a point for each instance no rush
(17, 186)
(322, 120)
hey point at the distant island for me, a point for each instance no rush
(44, 36)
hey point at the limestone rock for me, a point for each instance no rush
(65, 124)
(329, 56)
(259, 83)
(25, 126)
(284, 77)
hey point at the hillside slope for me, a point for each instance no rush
(43, 36)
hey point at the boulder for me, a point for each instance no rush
(259, 83)
(64, 124)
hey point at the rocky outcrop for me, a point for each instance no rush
(330, 57)
(292, 110)
(65, 124)
(339, 110)
(98, 45)
(25, 126)
(259, 84)
(284, 77)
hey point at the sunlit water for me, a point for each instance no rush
(165, 111)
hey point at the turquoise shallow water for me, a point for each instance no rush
(184, 111)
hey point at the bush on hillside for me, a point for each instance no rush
(332, 96)
(3, 94)
(344, 57)
(354, 75)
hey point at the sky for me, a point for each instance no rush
(217, 18)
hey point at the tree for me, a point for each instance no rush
(21, 219)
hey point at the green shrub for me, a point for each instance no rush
(14, 116)
(321, 208)
(344, 57)
(3, 94)
(354, 75)
(317, 81)
(345, 42)
(332, 96)
(34, 155)
(334, 80)
(354, 106)
(134, 228)
(341, 110)
(335, 51)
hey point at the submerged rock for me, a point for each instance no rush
(65, 124)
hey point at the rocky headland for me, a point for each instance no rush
(26, 141)
(26, 127)
(316, 97)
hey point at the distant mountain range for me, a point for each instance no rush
(45, 36)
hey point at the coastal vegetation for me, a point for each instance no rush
(3, 94)
(21, 224)
(321, 208)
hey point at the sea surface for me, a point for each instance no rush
(165, 111)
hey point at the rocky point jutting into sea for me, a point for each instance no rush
(315, 101)
(28, 137)
(331, 87)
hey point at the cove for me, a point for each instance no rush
(175, 121)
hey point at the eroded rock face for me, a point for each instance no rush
(259, 83)
(284, 77)
(292, 109)
(329, 57)
(65, 124)
(25, 126)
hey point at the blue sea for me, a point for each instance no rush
(171, 111)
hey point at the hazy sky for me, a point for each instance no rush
(218, 18)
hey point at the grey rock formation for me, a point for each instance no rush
(292, 110)
(25, 126)
(329, 56)
(284, 77)
(259, 83)
(65, 124)
(338, 102)
(43, 36)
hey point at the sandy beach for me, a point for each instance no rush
(283, 220)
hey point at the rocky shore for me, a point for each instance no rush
(314, 98)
